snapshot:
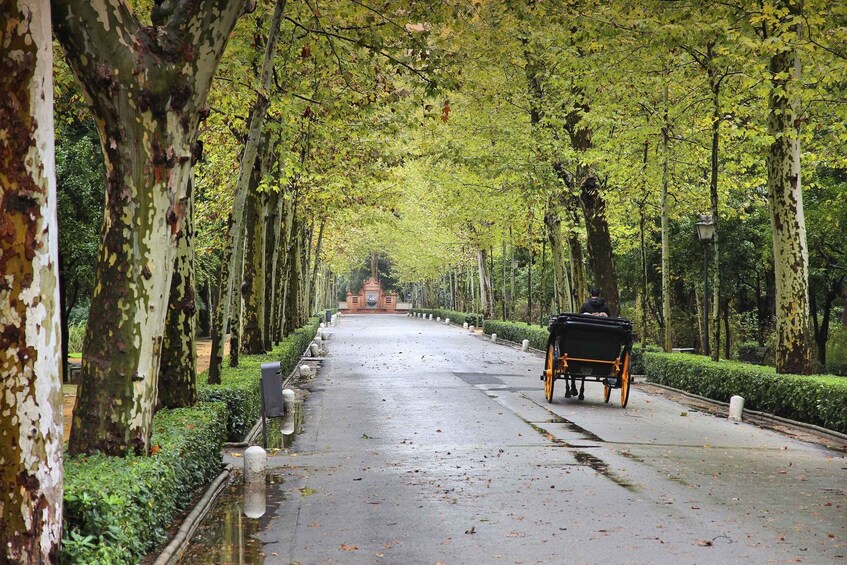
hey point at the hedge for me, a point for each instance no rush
(636, 362)
(454, 315)
(517, 332)
(239, 389)
(117, 509)
(818, 399)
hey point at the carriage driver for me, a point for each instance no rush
(595, 305)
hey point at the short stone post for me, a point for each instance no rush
(494, 338)
(438, 319)
(465, 325)
(254, 464)
(430, 316)
(471, 329)
(305, 371)
(447, 321)
(315, 349)
(289, 400)
(525, 345)
(736, 408)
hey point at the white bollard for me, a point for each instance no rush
(288, 395)
(494, 338)
(736, 408)
(319, 340)
(430, 316)
(255, 500)
(471, 328)
(447, 321)
(305, 371)
(324, 336)
(438, 319)
(314, 348)
(525, 345)
(465, 325)
(323, 325)
(254, 464)
(334, 320)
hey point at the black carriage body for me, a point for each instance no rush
(590, 344)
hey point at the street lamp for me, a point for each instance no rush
(706, 234)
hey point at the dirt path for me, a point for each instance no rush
(204, 356)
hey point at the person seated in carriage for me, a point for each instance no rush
(595, 305)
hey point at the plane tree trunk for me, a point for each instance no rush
(147, 87)
(31, 464)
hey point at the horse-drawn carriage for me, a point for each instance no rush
(585, 347)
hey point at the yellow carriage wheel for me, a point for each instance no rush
(550, 370)
(625, 382)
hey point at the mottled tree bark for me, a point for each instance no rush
(791, 255)
(289, 209)
(248, 159)
(599, 243)
(147, 87)
(253, 281)
(272, 224)
(317, 263)
(562, 294)
(294, 276)
(666, 249)
(486, 299)
(30, 381)
(178, 366)
(220, 315)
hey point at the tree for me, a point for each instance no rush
(31, 390)
(780, 30)
(147, 88)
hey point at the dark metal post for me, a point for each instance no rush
(706, 298)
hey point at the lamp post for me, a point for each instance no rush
(706, 234)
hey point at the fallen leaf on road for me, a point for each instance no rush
(471, 531)
(704, 543)
(345, 547)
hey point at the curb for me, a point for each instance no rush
(176, 547)
(763, 415)
(757, 414)
(173, 551)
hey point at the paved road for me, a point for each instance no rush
(425, 444)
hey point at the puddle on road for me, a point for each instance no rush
(283, 431)
(228, 533)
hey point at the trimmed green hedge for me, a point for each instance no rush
(816, 399)
(117, 508)
(239, 389)
(517, 332)
(454, 315)
(636, 363)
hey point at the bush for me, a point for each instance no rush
(117, 508)
(76, 335)
(517, 332)
(817, 399)
(454, 315)
(636, 360)
(239, 388)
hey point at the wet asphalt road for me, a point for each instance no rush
(425, 444)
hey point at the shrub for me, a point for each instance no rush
(117, 508)
(517, 332)
(636, 362)
(239, 388)
(817, 399)
(454, 315)
(76, 335)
